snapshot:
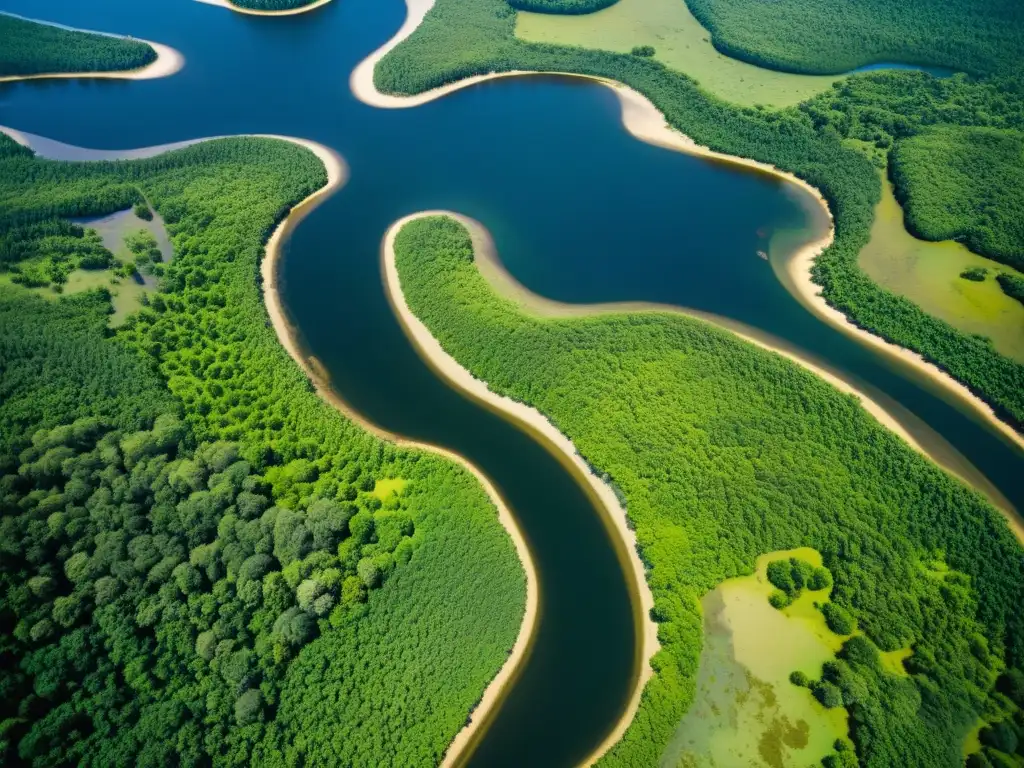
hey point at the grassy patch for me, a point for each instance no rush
(679, 42)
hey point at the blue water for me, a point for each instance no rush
(579, 211)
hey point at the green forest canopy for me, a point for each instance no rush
(190, 535)
(461, 38)
(272, 5)
(31, 48)
(965, 184)
(975, 36)
(725, 451)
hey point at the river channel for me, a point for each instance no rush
(580, 212)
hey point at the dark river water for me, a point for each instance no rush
(580, 212)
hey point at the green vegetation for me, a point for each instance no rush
(974, 274)
(928, 274)
(141, 209)
(31, 48)
(459, 38)
(724, 451)
(642, 50)
(680, 43)
(745, 709)
(790, 577)
(806, 36)
(272, 5)
(965, 184)
(570, 7)
(190, 535)
(1012, 285)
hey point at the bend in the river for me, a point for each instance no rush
(545, 165)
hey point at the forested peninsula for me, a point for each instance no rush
(268, 7)
(34, 48)
(724, 452)
(835, 142)
(190, 534)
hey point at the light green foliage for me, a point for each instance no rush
(724, 451)
(460, 38)
(965, 184)
(180, 552)
(30, 48)
(976, 36)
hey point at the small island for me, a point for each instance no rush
(37, 49)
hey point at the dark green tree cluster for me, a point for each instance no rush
(460, 38)
(975, 274)
(976, 36)
(725, 451)
(272, 5)
(964, 184)
(191, 537)
(45, 252)
(791, 577)
(564, 7)
(1012, 285)
(31, 48)
(143, 246)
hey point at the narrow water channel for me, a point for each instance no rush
(580, 212)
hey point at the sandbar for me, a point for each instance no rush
(644, 121)
(337, 174)
(538, 425)
(286, 333)
(256, 12)
(168, 60)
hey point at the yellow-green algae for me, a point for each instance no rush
(679, 42)
(746, 711)
(928, 274)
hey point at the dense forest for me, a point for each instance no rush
(271, 5)
(570, 7)
(724, 451)
(190, 534)
(976, 36)
(964, 184)
(31, 48)
(459, 38)
(1012, 285)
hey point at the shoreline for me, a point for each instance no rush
(802, 286)
(642, 119)
(169, 61)
(613, 513)
(337, 173)
(889, 413)
(256, 12)
(493, 694)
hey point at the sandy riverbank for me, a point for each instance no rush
(255, 12)
(168, 60)
(537, 424)
(337, 174)
(803, 287)
(645, 122)
(884, 409)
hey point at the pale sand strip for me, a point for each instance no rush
(254, 12)
(613, 513)
(337, 174)
(168, 60)
(645, 122)
(802, 286)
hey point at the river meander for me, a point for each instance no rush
(580, 212)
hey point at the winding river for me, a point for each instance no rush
(579, 211)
